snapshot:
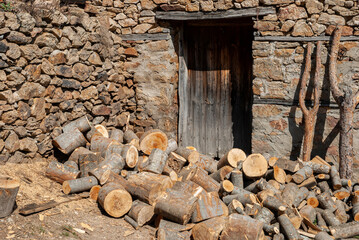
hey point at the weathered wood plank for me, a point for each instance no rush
(233, 13)
(302, 39)
(291, 102)
(145, 36)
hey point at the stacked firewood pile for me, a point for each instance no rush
(148, 179)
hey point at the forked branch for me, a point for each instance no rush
(337, 93)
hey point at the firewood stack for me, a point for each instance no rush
(148, 179)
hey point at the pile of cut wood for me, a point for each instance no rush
(148, 179)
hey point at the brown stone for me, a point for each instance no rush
(38, 109)
(284, 52)
(81, 71)
(279, 124)
(64, 71)
(265, 25)
(95, 59)
(192, 7)
(30, 90)
(18, 37)
(15, 79)
(292, 12)
(268, 68)
(249, 3)
(46, 40)
(148, 5)
(30, 51)
(13, 51)
(327, 19)
(107, 3)
(141, 28)
(276, 2)
(57, 57)
(9, 117)
(206, 6)
(49, 123)
(24, 110)
(89, 93)
(101, 110)
(47, 67)
(287, 26)
(346, 31)
(264, 111)
(131, 52)
(314, 6)
(302, 29)
(7, 96)
(33, 71)
(28, 145)
(12, 142)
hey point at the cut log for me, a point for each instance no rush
(272, 161)
(289, 193)
(279, 174)
(323, 176)
(346, 182)
(156, 161)
(242, 228)
(200, 176)
(88, 162)
(241, 195)
(255, 166)
(208, 206)
(326, 201)
(312, 200)
(168, 234)
(94, 192)
(130, 154)
(102, 129)
(346, 230)
(320, 160)
(321, 222)
(172, 146)
(81, 124)
(152, 139)
(178, 204)
(302, 174)
(340, 213)
(72, 164)
(204, 161)
(252, 187)
(236, 207)
(252, 209)
(141, 212)
(79, 185)
(232, 158)
(75, 155)
(237, 178)
(341, 193)
(114, 199)
(300, 196)
(330, 218)
(308, 212)
(266, 216)
(131, 138)
(273, 203)
(288, 229)
(100, 143)
(264, 185)
(322, 236)
(324, 187)
(113, 162)
(356, 190)
(185, 152)
(93, 131)
(309, 183)
(117, 135)
(170, 172)
(355, 208)
(334, 175)
(132, 222)
(60, 173)
(287, 165)
(209, 229)
(9, 188)
(176, 162)
(278, 236)
(68, 142)
(317, 168)
(222, 173)
(226, 187)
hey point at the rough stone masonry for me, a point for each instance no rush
(61, 61)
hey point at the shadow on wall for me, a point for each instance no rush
(321, 144)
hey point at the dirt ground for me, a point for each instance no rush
(82, 219)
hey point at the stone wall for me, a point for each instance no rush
(60, 62)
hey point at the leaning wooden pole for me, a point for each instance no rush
(310, 116)
(347, 101)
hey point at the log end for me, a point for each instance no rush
(117, 203)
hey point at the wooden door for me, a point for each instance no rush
(215, 88)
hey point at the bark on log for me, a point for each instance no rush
(252, 209)
(72, 164)
(242, 228)
(312, 200)
(324, 187)
(117, 135)
(75, 155)
(341, 193)
(266, 216)
(222, 173)
(200, 176)
(322, 236)
(340, 213)
(60, 173)
(131, 138)
(236, 207)
(207, 206)
(226, 188)
(209, 229)
(94, 192)
(255, 166)
(317, 167)
(81, 124)
(278, 236)
(204, 161)
(8, 191)
(178, 204)
(300, 196)
(168, 234)
(320, 160)
(273, 203)
(114, 199)
(156, 161)
(309, 183)
(102, 130)
(176, 162)
(355, 208)
(93, 131)
(252, 187)
(302, 174)
(152, 139)
(237, 178)
(346, 230)
(288, 165)
(321, 222)
(330, 218)
(132, 222)
(279, 174)
(288, 229)
(113, 162)
(326, 201)
(170, 172)
(241, 195)
(232, 158)
(100, 143)
(289, 193)
(185, 152)
(79, 185)
(308, 212)
(141, 212)
(322, 176)
(336, 181)
(264, 185)
(68, 142)
(88, 162)
(171, 146)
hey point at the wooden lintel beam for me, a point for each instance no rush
(302, 39)
(238, 13)
(145, 36)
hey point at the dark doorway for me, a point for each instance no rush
(215, 87)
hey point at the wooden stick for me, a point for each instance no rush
(355, 208)
(60, 173)
(241, 195)
(345, 230)
(132, 222)
(288, 165)
(288, 229)
(237, 178)
(77, 152)
(302, 174)
(317, 168)
(94, 192)
(334, 175)
(79, 185)
(200, 176)
(222, 173)
(209, 229)
(176, 162)
(322, 236)
(113, 162)
(326, 201)
(89, 162)
(330, 218)
(207, 206)
(204, 161)
(102, 130)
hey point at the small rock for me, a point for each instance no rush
(38, 109)
(131, 52)
(346, 31)
(292, 12)
(14, 51)
(314, 6)
(27, 22)
(3, 47)
(9, 117)
(47, 67)
(18, 37)
(101, 110)
(24, 110)
(30, 51)
(301, 28)
(89, 93)
(28, 145)
(64, 71)
(30, 90)
(327, 19)
(57, 57)
(81, 71)
(95, 59)
(12, 142)
(46, 40)
(71, 84)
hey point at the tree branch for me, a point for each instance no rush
(337, 93)
(318, 63)
(304, 79)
